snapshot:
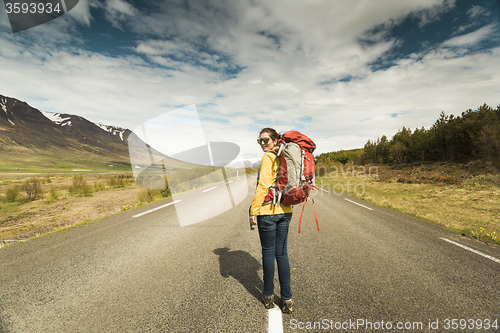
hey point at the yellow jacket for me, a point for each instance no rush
(269, 166)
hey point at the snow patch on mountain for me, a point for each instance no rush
(113, 130)
(3, 103)
(56, 118)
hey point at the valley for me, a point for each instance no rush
(57, 208)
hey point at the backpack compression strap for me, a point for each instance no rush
(304, 206)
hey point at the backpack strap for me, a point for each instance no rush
(282, 145)
(303, 206)
(302, 213)
(276, 150)
(278, 200)
(272, 189)
(317, 224)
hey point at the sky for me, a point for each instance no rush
(340, 71)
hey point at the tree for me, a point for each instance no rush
(370, 152)
(382, 150)
(419, 145)
(33, 188)
(491, 143)
(399, 151)
(402, 136)
(12, 194)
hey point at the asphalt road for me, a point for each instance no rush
(366, 266)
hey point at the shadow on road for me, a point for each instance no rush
(243, 267)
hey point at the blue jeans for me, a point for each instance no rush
(273, 232)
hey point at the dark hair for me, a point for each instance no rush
(272, 133)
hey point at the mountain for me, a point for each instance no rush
(36, 141)
(254, 163)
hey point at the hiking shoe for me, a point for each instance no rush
(268, 301)
(287, 306)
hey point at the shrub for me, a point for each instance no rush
(484, 181)
(80, 186)
(165, 193)
(114, 181)
(12, 194)
(145, 195)
(53, 195)
(33, 188)
(98, 186)
(149, 195)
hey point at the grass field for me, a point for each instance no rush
(66, 200)
(447, 195)
(465, 199)
(19, 159)
(61, 202)
(49, 165)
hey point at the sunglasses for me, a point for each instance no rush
(265, 140)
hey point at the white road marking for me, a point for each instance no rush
(358, 204)
(210, 189)
(275, 320)
(472, 250)
(229, 182)
(152, 210)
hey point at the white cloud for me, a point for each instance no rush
(118, 12)
(290, 59)
(164, 51)
(471, 38)
(477, 11)
(81, 12)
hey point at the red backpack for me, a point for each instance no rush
(295, 177)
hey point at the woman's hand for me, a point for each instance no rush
(253, 220)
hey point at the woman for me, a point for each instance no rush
(272, 221)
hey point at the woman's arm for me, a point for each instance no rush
(266, 180)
